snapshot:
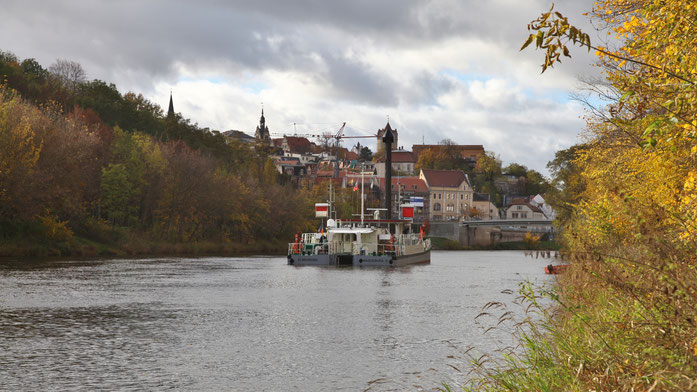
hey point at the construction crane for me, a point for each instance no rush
(337, 137)
(337, 140)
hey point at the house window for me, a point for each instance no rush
(440, 196)
(519, 207)
(461, 196)
(450, 208)
(515, 215)
(523, 214)
(436, 207)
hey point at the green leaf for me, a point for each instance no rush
(626, 95)
(655, 124)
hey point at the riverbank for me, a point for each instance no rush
(440, 243)
(133, 245)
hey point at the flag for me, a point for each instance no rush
(355, 188)
(321, 210)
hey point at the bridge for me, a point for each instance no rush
(487, 232)
(508, 222)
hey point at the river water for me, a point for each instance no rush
(249, 323)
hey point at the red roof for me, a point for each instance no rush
(412, 184)
(296, 143)
(351, 156)
(444, 178)
(400, 156)
(277, 142)
(289, 162)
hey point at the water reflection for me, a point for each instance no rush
(244, 323)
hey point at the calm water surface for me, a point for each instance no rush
(251, 323)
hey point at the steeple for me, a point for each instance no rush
(262, 131)
(170, 111)
(382, 133)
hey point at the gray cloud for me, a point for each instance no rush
(331, 45)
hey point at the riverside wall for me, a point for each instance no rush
(465, 235)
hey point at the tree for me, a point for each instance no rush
(631, 190)
(567, 184)
(445, 156)
(516, 169)
(69, 72)
(535, 183)
(365, 154)
(117, 195)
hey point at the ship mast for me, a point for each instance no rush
(362, 191)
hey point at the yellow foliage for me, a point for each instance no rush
(54, 229)
(531, 240)
(633, 235)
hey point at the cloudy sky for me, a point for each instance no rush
(439, 69)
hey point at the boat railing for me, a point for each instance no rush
(376, 249)
(297, 248)
(410, 239)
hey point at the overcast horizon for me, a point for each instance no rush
(438, 69)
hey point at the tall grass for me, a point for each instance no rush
(595, 331)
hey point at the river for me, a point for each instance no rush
(249, 323)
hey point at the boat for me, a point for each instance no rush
(556, 269)
(364, 242)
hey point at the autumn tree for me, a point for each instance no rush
(628, 304)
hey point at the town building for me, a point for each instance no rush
(450, 193)
(483, 208)
(402, 163)
(296, 145)
(539, 202)
(522, 209)
(239, 136)
(410, 190)
(291, 166)
(381, 134)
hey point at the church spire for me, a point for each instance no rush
(170, 111)
(262, 132)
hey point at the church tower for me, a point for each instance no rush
(170, 111)
(262, 132)
(381, 133)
